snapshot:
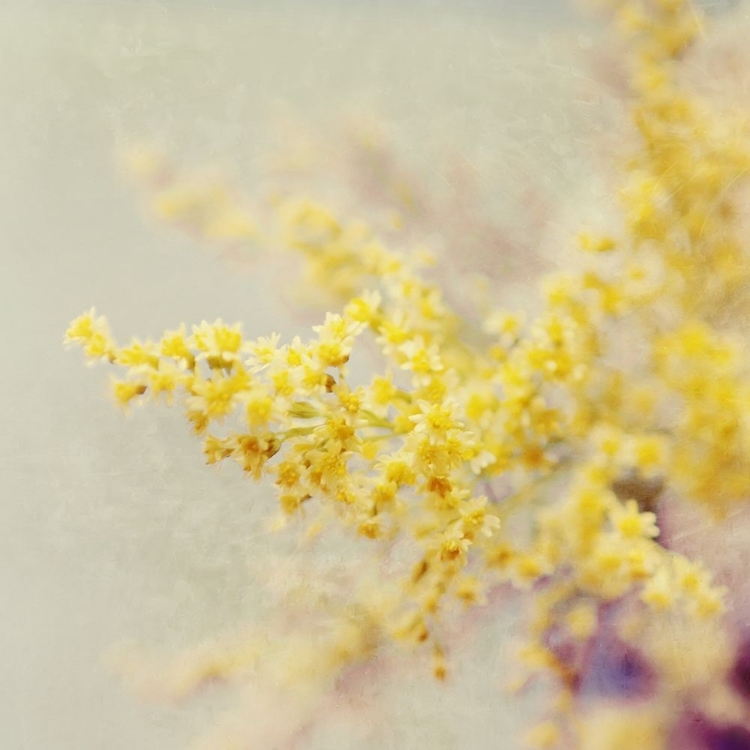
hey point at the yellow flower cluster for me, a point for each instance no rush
(682, 203)
(199, 203)
(529, 452)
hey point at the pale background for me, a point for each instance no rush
(112, 528)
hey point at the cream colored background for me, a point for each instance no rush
(112, 528)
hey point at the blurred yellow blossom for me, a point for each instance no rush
(529, 449)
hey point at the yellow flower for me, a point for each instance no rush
(335, 340)
(220, 345)
(264, 349)
(365, 308)
(138, 355)
(126, 391)
(174, 345)
(420, 358)
(260, 407)
(92, 334)
(165, 378)
(452, 544)
(476, 519)
(631, 523)
(216, 396)
(436, 419)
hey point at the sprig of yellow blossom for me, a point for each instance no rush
(580, 435)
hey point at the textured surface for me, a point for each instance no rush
(112, 528)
